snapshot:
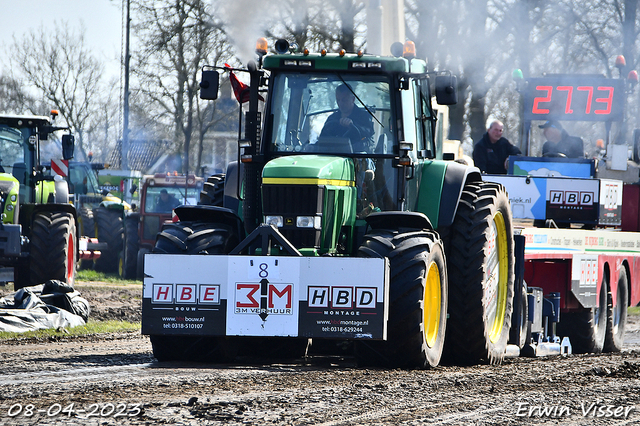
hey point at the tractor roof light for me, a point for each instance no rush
(342, 52)
(305, 52)
(621, 62)
(409, 50)
(262, 46)
(247, 158)
(282, 46)
(323, 52)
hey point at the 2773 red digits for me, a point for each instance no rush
(568, 91)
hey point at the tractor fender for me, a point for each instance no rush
(213, 214)
(116, 204)
(455, 178)
(232, 184)
(398, 219)
(440, 190)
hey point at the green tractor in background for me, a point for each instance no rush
(317, 208)
(39, 239)
(100, 214)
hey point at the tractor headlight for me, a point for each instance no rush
(309, 222)
(274, 220)
(14, 198)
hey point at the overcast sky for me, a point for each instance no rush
(102, 20)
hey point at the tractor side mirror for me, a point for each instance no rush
(209, 85)
(68, 146)
(446, 93)
(133, 189)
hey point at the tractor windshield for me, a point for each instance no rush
(164, 199)
(12, 149)
(331, 113)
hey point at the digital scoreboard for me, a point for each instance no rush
(575, 98)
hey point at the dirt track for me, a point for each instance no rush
(114, 380)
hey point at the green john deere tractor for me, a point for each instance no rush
(38, 239)
(340, 229)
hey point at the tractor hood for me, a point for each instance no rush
(310, 170)
(9, 191)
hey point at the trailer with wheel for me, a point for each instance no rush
(577, 221)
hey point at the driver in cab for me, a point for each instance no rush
(559, 143)
(349, 122)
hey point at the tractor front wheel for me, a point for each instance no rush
(417, 299)
(194, 238)
(52, 253)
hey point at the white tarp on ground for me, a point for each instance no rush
(53, 304)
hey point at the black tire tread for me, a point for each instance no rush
(110, 230)
(131, 247)
(212, 193)
(580, 327)
(467, 340)
(408, 254)
(195, 238)
(49, 248)
(614, 339)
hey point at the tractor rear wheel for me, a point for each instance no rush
(212, 193)
(417, 299)
(53, 253)
(129, 257)
(617, 316)
(194, 238)
(587, 328)
(480, 261)
(86, 222)
(110, 231)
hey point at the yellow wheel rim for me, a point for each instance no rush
(497, 277)
(432, 298)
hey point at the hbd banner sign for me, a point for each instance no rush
(265, 296)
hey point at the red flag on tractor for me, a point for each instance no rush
(240, 90)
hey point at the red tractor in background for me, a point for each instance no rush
(159, 195)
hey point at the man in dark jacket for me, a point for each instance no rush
(559, 143)
(492, 152)
(349, 122)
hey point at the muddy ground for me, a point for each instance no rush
(113, 379)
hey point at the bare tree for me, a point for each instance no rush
(64, 71)
(177, 37)
(13, 99)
